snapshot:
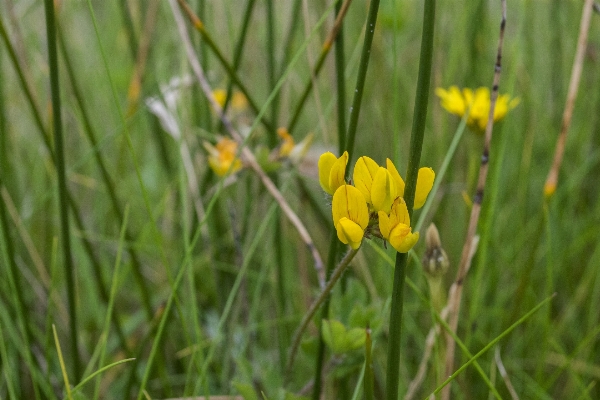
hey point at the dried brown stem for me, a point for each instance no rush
(469, 246)
(552, 179)
(246, 154)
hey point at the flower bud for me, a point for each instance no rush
(435, 260)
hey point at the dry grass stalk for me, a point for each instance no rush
(552, 179)
(469, 247)
(245, 152)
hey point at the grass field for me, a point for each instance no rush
(143, 255)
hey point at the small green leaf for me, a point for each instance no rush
(246, 390)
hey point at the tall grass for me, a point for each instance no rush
(205, 286)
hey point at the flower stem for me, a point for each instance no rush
(62, 184)
(416, 144)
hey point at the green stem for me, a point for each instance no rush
(360, 80)
(199, 26)
(340, 82)
(369, 379)
(128, 22)
(239, 48)
(335, 276)
(62, 184)
(333, 249)
(416, 144)
(108, 182)
(271, 70)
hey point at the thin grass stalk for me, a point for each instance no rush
(7, 368)
(454, 299)
(493, 343)
(111, 300)
(20, 305)
(416, 144)
(272, 134)
(333, 243)
(331, 262)
(4, 155)
(584, 27)
(289, 39)
(327, 44)
(243, 151)
(62, 185)
(360, 80)
(199, 26)
(239, 49)
(340, 76)
(128, 24)
(335, 276)
(369, 382)
(110, 187)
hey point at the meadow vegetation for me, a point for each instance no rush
(153, 246)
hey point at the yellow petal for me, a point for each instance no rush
(424, 184)
(364, 173)
(349, 232)
(385, 224)
(452, 100)
(383, 190)
(338, 173)
(348, 202)
(326, 161)
(402, 240)
(399, 213)
(397, 178)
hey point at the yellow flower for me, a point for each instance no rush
(396, 229)
(238, 100)
(222, 157)
(350, 215)
(332, 171)
(425, 180)
(287, 142)
(458, 103)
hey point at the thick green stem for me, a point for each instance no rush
(416, 144)
(360, 80)
(62, 184)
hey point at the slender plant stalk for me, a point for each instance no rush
(331, 261)
(584, 27)
(20, 304)
(454, 299)
(334, 243)
(110, 187)
(272, 134)
(287, 47)
(360, 80)
(369, 378)
(340, 82)
(199, 26)
(128, 23)
(327, 44)
(62, 185)
(492, 344)
(245, 152)
(239, 49)
(416, 144)
(335, 276)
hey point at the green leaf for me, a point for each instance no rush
(246, 390)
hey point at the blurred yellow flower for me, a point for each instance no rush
(238, 100)
(395, 227)
(350, 215)
(332, 171)
(222, 157)
(458, 103)
(287, 142)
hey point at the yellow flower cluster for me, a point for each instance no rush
(376, 197)
(222, 157)
(457, 102)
